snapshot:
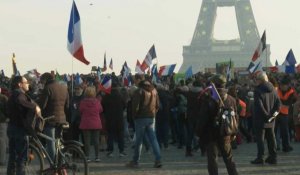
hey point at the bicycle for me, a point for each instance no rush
(69, 157)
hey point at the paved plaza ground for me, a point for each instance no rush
(175, 162)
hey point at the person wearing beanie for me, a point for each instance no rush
(209, 129)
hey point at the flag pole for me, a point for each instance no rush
(72, 82)
(266, 55)
(221, 101)
(267, 59)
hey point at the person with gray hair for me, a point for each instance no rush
(266, 104)
(261, 76)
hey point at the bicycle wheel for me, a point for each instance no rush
(35, 161)
(74, 161)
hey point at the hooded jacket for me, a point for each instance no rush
(145, 102)
(266, 102)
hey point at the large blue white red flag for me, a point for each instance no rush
(74, 36)
(138, 68)
(105, 84)
(148, 59)
(166, 70)
(256, 67)
(290, 59)
(286, 69)
(259, 50)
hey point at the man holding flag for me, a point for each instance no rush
(209, 127)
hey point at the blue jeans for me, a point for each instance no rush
(18, 150)
(145, 126)
(50, 144)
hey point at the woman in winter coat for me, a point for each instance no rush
(90, 109)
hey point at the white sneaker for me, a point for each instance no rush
(122, 154)
(109, 154)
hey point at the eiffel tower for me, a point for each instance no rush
(204, 51)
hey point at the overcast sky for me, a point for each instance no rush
(36, 31)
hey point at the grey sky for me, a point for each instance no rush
(37, 31)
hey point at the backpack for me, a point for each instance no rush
(227, 122)
(33, 122)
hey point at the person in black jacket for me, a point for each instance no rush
(19, 105)
(266, 103)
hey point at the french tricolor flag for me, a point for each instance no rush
(138, 68)
(105, 85)
(148, 59)
(166, 70)
(74, 36)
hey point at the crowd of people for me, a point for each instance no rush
(155, 115)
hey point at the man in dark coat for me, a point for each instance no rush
(209, 129)
(113, 108)
(54, 101)
(18, 106)
(193, 113)
(163, 116)
(266, 103)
